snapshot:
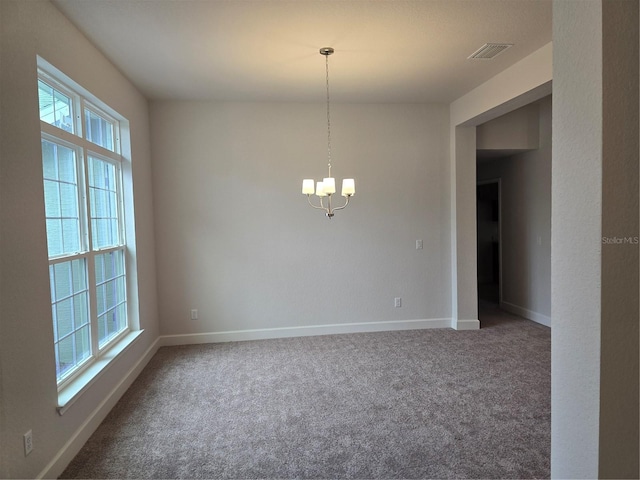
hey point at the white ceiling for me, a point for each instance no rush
(267, 50)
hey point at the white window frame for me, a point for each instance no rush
(84, 148)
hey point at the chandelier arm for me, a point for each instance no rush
(321, 207)
(345, 204)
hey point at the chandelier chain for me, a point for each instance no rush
(328, 115)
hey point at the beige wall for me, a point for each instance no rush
(237, 240)
(366, 254)
(619, 402)
(516, 130)
(594, 284)
(28, 378)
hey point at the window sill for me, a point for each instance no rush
(70, 393)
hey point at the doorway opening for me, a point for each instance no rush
(489, 235)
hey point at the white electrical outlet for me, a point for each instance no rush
(397, 302)
(194, 314)
(28, 443)
(418, 244)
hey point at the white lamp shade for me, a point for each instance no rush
(329, 184)
(320, 190)
(307, 186)
(348, 187)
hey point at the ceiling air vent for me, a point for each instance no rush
(490, 50)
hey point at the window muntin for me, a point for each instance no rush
(111, 295)
(70, 300)
(99, 129)
(104, 185)
(61, 198)
(85, 227)
(56, 108)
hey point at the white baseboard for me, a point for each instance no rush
(465, 324)
(286, 332)
(70, 449)
(528, 314)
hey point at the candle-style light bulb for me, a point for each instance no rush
(329, 184)
(348, 187)
(307, 186)
(320, 190)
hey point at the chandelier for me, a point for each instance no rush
(327, 187)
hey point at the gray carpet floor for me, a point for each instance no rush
(409, 404)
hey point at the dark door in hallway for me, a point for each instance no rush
(488, 237)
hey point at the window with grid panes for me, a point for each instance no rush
(82, 175)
